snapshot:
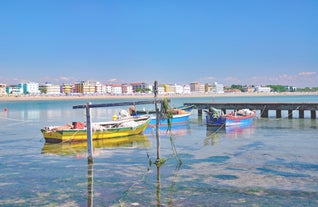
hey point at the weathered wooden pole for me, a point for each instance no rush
(157, 120)
(89, 133)
(90, 184)
(158, 187)
(290, 114)
(313, 114)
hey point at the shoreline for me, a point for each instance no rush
(8, 98)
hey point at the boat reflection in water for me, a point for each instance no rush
(176, 129)
(80, 148)
(213, 134)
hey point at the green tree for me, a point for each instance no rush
(278, 88)
(239, 87)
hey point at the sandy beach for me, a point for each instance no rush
(140, 96)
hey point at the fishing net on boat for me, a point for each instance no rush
(166, 112)
(215, 113)
(132, 124)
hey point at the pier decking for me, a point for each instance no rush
(263, 107)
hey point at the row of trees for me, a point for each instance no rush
(279, 88)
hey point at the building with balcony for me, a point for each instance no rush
(51, 89)
(178, 89)
(196, 87)
(186, 89)
(84, 87)
(169, 89)
(67, 88)
(262, 89)
(100, 88)
(127, 89)
(217, 88)
(141, 87)
(3, 89)
(116, 89)
(30, 88)
(14, 90)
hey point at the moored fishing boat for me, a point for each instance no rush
(242, 117)
(169, 116)
(77, 131)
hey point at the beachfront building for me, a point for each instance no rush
(14, 90)
(186, 89)
(141, 87)
(84, 87)
(207, 88)
(108, 88)
(51, 89)
(161, 89)
(217, 88)
(30, 88)
(100, 88)
(178, 89)
(248, 89)
(116, 89)
(181, 89)
(196, 87)
(67, 88)
(290, 88)
(169, 89)
(3, 89)
(127, 89)
(262, 89)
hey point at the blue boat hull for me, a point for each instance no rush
(176, 119)
(225, 121)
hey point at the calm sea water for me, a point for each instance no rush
(274, 162)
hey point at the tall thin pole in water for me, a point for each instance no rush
(90, 184)
(89, 133)
(157, 119)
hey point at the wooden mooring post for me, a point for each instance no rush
(157, 120)
(264, 108)
(89, 133)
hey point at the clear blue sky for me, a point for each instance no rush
(172, 41)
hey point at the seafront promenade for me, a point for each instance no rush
(140, 96)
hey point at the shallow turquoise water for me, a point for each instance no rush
(274, 162)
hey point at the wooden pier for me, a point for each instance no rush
(264, 108)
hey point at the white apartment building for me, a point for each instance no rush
(52, 89)
(186, 89)
(116, 89)
(262, 89)
(161, 89)
(217, 88)
(108, 88)
(178, 89)
(30, 88)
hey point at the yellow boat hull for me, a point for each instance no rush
(73, 135)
